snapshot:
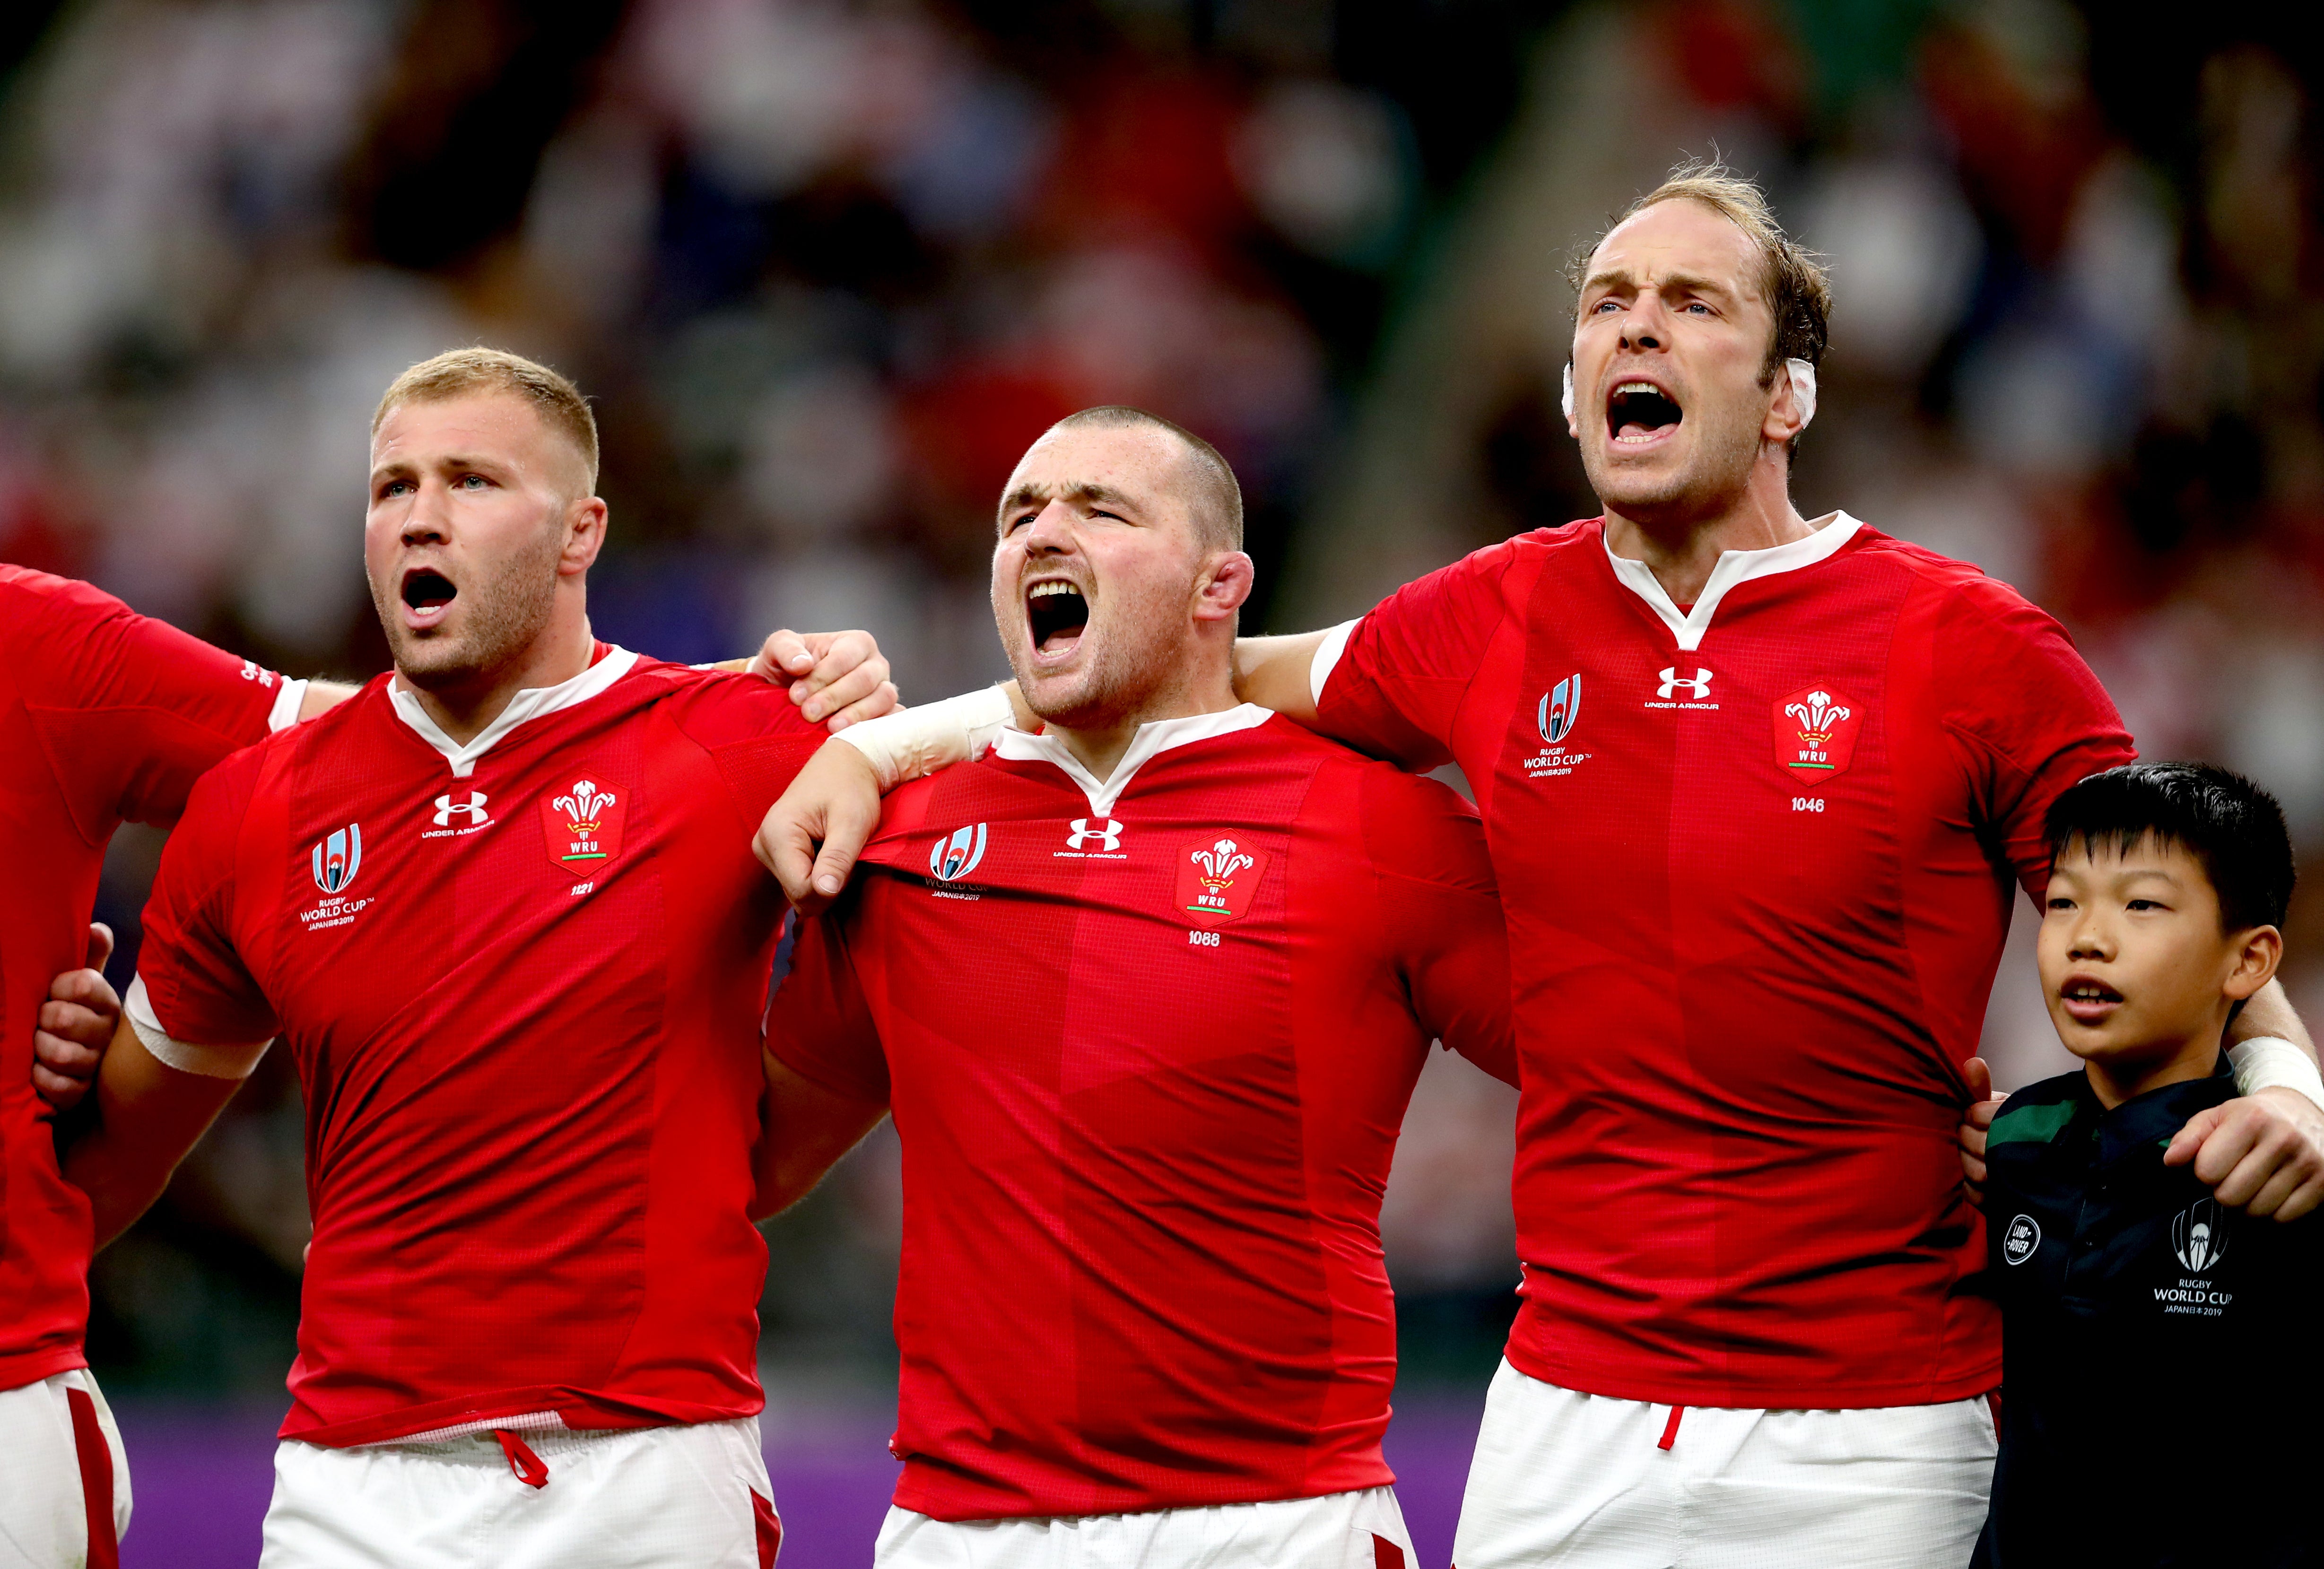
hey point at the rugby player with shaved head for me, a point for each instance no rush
(1756, 789)
(1146, 989)
(500, 906)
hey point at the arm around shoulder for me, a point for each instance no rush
(1279, 672)
(1442, 910)
(804, 1129)
(148, 1116)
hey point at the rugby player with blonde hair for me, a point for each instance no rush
(500, 907)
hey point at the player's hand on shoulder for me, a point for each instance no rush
(834, 803)
(1977, 1118)
(76, 1023)
(2260, 1154)
(835, 678)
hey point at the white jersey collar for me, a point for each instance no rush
(1153, 738)
(1735, 566)
(529, 703)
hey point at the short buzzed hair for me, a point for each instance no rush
(1217, 502)
(461, 371)
(1791, 280)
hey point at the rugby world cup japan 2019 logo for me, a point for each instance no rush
(957, 854)
(582, 824)
(337, 858)
(1217, 878)
(2199, 1236)
(1561, 705)
(1815, 733)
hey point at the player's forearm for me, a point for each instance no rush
(1278, 673)
(121, 1180)
(804, 1129)
(2269, 1013)
(147, 1116)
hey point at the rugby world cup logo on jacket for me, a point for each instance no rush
(582, 823)
(1560, 707)
(957, 854)
(2199, 1236)
(338, 857)
(1217, 877)
(1815, 733)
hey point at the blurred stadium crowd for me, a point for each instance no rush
(827, 266)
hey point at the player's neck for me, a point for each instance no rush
(1100, 745)
(1681, 546)
(2117, 1079)
(462, 708)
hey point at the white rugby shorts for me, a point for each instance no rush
(1600, 1483)
(691, 1497)
(64, 1481)
(1340, 1531)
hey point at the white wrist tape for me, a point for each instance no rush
(209, 1062)
(2272, 1062)
(936, 735)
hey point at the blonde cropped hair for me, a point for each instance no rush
(460, 371)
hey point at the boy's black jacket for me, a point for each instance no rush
(2158, 1405)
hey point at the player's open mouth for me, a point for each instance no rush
(2088, 1001)
(1638, 411)
(428, 595)
(1055, 612)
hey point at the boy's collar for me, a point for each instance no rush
(2156, 1115)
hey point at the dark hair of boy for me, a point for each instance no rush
(2227, 822)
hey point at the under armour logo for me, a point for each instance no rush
(1107, 833)
(1698, 688)
(474, 806)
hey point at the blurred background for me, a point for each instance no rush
(827, 267)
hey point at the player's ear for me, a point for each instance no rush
(1225, 583)
(584, 535)
(2258, 951)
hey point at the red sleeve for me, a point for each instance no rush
(201, 991)
(1442, 913)
(2026, 716)
(130, 711)
(819, 1026)
(751, 730)
(1399, 680)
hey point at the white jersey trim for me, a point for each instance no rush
(531, 703)
(287, 704)
(1152, 740)
(1735, 566)
(1327, 658)
(209, 1062)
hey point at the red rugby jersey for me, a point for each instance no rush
(1756, 860)
(522, 980)
(106, 717)
(1149, 1043)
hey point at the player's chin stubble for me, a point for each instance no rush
(497, 620)
(1712, 477)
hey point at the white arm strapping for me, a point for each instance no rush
(936, 735)
(287, 704)
(209, 1062)
(2272, 1062)
(1327, 658)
